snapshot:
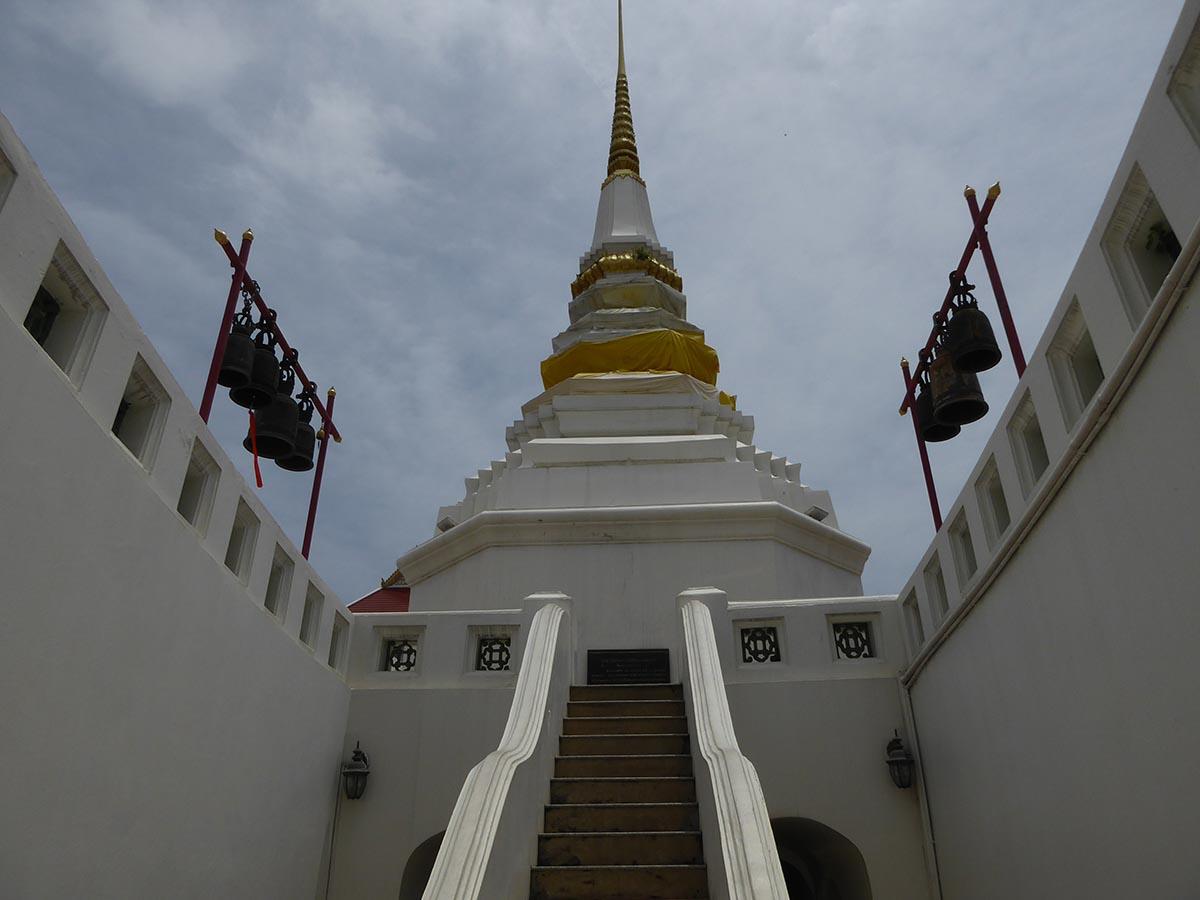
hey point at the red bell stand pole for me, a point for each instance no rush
(316, 486)
(241, 278)
(989, 261)
(910, 395)
(961, 269)
(238, 261)
(284, 347)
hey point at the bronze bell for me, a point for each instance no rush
(957, 396)
(264, 376)
(969, 339)
(301, 457)
(932, 431)
(237, 364)
(276, 423)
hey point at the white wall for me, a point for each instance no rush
(624, 592)
(816, 728)
(424, 731)
(164, 735)
(1054, 703)
(1057, 722)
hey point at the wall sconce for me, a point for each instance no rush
(355, 772)
(899, 762)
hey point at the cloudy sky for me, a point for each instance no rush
(422, 175)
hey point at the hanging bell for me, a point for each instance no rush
(301, 457)
(275, 423)
(957, 396)
(932, 431)
(260, 390)
(969, 339)
(237, 364)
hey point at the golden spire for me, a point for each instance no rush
(622, 152)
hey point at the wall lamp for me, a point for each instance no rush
(355, 772)
(899, 762)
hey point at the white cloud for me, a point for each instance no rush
(422, 177)
(170, 52)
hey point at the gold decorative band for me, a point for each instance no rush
(624, 173)
(614, 263)
(656, 350)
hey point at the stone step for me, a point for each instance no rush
(621, 848)
(616, 882)
(625, 725)
(610, 766)
(622, 744)
(622, 817)
(623, 790)
(623, 708)
(626, 692)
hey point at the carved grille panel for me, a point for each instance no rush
(760, 644)
(853, 640)
(400, 655)
(494, 653)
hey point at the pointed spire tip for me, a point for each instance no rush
(620, 39)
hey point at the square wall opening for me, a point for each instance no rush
(337, 643)
(1074, 365)
(141, 413)
(912, 621)
(1184, 87)
(66, 315)
(243, 537)
(963, 549)
(1140, 246)
(491, 648)
(400, 649)
(990, 492)
(7, 176)
(199, 488)
(759, 642)
(279, 583)
(1028, 445)
(935, 589)
(314, 605)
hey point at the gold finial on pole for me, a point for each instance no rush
(968, 191)
(220, 237)
(994, 191)
(622, 151)
(248, 235)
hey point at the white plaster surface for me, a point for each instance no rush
(1056, 722)
(1053, 703)
(164, 735)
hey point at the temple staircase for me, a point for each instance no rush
(622, 822)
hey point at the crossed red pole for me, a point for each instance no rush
(241, 279)
(979, 239)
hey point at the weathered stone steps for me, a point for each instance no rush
(625, 725)
(623, 822)
(682, 882)
(662, 789)
(632, 766)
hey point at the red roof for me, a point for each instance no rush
(393, 599)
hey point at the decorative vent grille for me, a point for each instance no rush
(400, 655)
(853, 640)
(493, 653)
(760, 644)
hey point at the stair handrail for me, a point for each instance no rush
(462, 862)
(752, 868)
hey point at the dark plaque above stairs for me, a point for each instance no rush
(628, 667)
